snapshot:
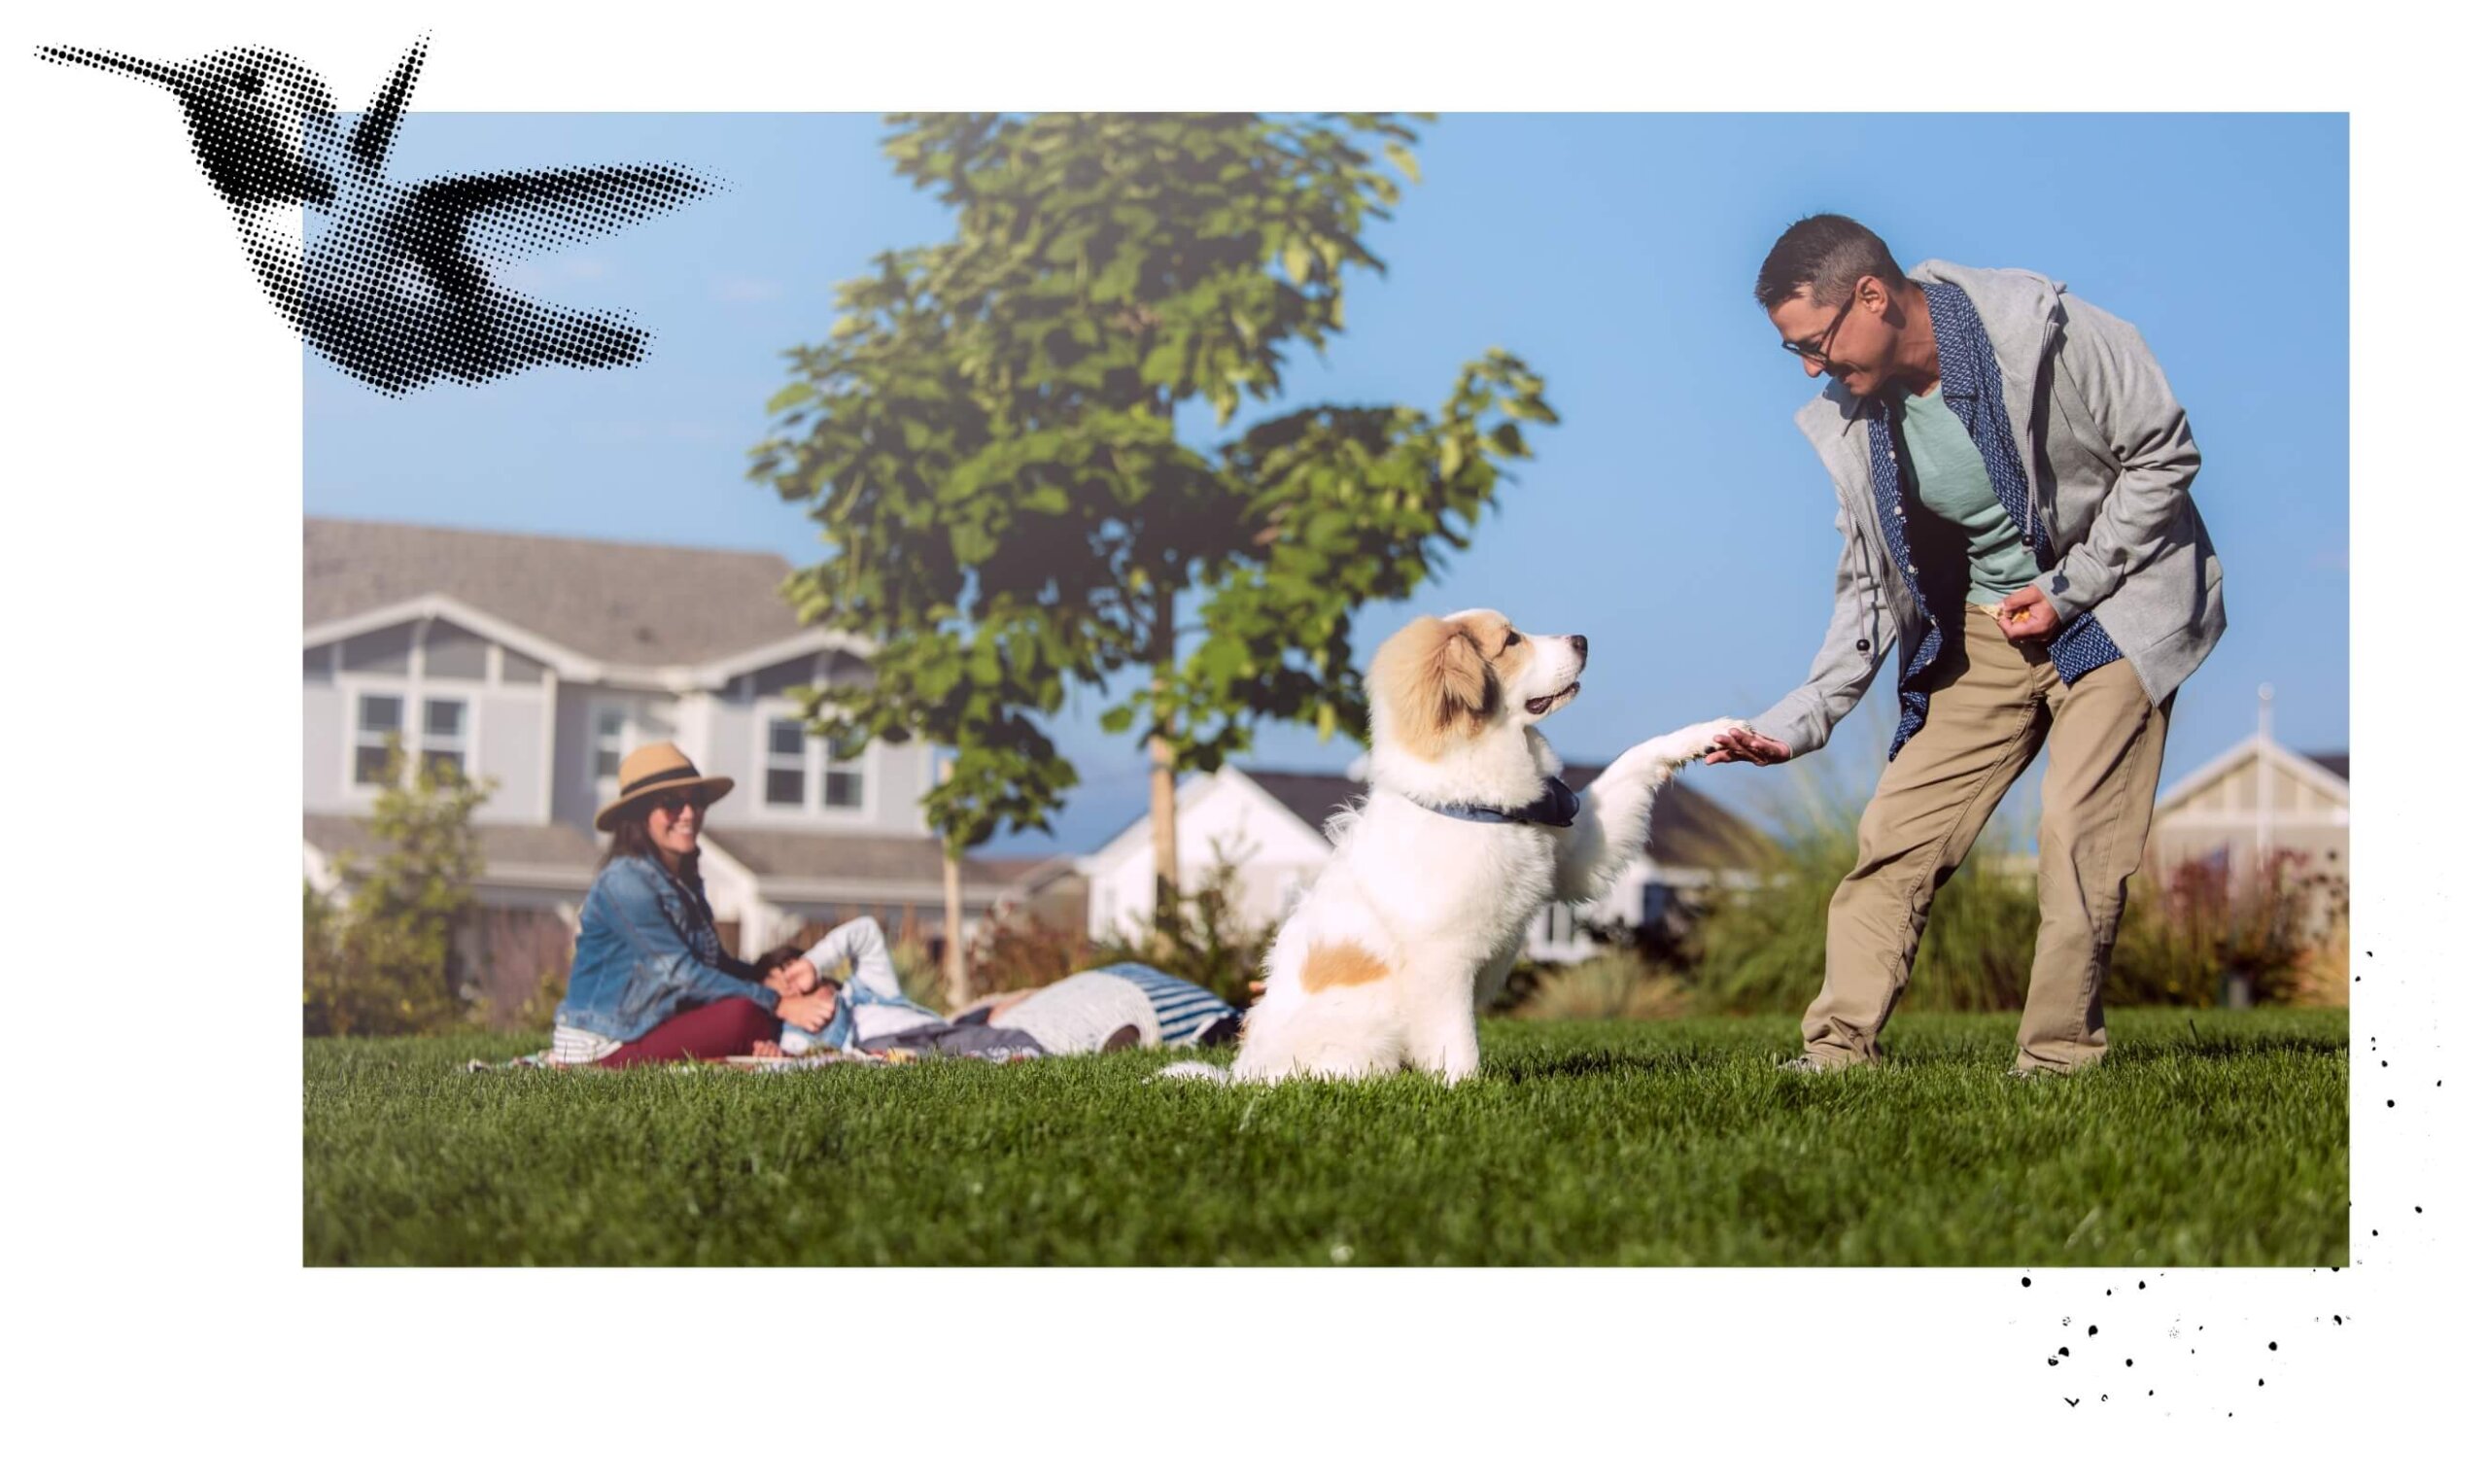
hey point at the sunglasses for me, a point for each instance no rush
(676, 803)
(1818, 347)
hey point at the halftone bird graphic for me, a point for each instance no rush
(389, 279)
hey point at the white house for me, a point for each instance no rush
(1268, 823)
(2258, 795)
(536, 662)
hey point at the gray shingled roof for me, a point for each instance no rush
(2335, 763)
(613, 602)
(809, 856)
(1686, 829)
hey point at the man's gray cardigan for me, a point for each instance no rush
(2113, 461)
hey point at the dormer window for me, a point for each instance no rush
(795, 760)
(609, 721)
(445, 737)
(787, 764)
(377, 719)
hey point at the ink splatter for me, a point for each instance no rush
(386, 279)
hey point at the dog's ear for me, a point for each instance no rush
(1464, 679)
(1435, 681)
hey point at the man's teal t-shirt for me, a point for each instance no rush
(1942, 467)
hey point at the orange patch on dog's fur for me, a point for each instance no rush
(1434, 678)
(1490, 631)
(1337, 965)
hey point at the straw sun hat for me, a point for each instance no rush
(659, 768)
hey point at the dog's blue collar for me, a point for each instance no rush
(1555, 804)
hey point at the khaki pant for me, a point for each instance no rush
(1994, 702)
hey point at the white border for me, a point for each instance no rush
(170, 1225)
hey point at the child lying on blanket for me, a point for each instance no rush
(1100, 1009)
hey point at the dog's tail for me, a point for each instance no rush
(1197, 1071)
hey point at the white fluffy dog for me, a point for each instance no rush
(1465, 838)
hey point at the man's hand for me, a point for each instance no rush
(807, 1012)
(796, 976)
(2029, 616)
(1739, 745)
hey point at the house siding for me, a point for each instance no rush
(323, 748)
(509, 749)
(648, 716)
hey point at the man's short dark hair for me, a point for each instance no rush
(1824, 255)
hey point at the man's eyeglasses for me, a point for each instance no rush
(1818, 347)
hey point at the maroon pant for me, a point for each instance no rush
(719, 1028)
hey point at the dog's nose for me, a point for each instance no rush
(1581, 645)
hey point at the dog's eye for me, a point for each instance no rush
(1509, 640)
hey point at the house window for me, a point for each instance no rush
(445, 738)
(1654, 900)
(785, 784)
(377, 719)
(842, 786)
(608, 744)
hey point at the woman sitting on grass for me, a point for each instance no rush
(650, 980)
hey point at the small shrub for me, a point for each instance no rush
(385, 961)
(535, 1012)
(919, 971)
(1017, 952)
(1210, 943)
(2187, 932)
(1608, 987)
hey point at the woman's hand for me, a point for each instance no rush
(794, 977)
(808, 1012)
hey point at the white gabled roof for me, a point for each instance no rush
(2323, 781)
(1189, 794)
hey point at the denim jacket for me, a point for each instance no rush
(648, 951)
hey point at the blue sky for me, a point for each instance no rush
(1676, 516)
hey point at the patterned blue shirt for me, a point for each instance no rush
(1974, 390)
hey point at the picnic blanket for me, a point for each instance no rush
(774, 1065)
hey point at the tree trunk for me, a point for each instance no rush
(1162, 782)
(1162, 835)
(954, 949)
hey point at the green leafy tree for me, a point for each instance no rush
(385, 961)
(987, 439)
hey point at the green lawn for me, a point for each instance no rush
(2206, 1137)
